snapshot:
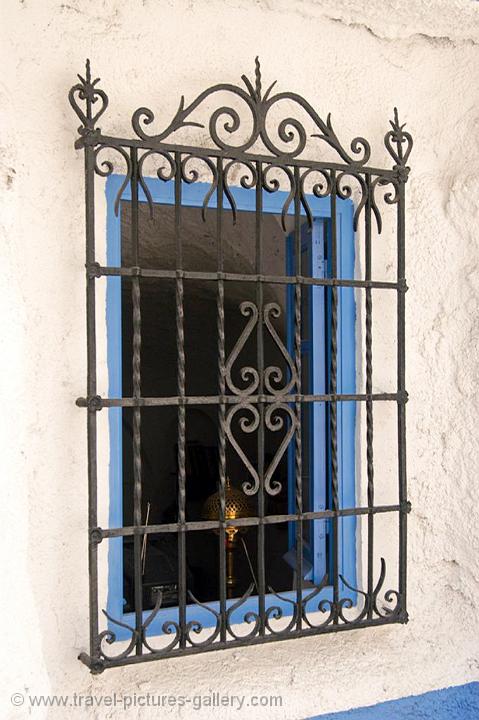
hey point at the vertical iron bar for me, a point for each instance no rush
(91, 392)
(137, 521)
(401, 388)
(260, 357)
(369, 402)
(180, 344)
(222, 406)
(333, 404)
(298, 407)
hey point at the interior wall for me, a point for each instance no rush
(358, 62)
(159, 349)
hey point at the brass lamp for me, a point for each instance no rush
(237, 506)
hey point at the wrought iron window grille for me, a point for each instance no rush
(263, 394)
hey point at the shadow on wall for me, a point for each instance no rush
(453, 703)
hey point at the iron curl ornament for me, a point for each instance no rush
(267, 143)
(289, 130)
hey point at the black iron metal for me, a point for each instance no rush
(333, 430)
(267, 399)
(136, 385)
(220, 309)
(260, 184)
(296, 375)
(369, 403)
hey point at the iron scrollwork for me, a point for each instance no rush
(104, 168)
(272, 379)
(138, 636)
(289, 130)
(249, 144)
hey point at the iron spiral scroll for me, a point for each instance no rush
(246, 142)
(315, 614)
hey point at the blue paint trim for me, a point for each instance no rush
(346, 411)
(318, 466)
(346, 383)
(114, 359)
(312, 352)
(193, 196)
(452, 703)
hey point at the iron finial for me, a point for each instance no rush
(399, 144)
(82, 97)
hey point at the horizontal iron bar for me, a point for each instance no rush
(231, 154)
(97, 270)
(244, 522)
(241, 642)
(97, 402)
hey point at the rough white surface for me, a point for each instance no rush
(357, 60)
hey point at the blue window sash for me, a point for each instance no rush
(313, 353)
(193, 196)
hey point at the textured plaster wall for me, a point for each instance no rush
(357, 62)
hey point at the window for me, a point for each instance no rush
(159, 378)
(232, 333)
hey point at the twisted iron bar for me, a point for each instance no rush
(369, 389)
(332, 391)
(136, 383)
(220, 320)
(222, 388)
(180, 345)
(298, 457)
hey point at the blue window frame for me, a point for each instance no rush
(316, 258)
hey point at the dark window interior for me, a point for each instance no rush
(158, 378)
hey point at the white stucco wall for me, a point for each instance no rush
(358, 62)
